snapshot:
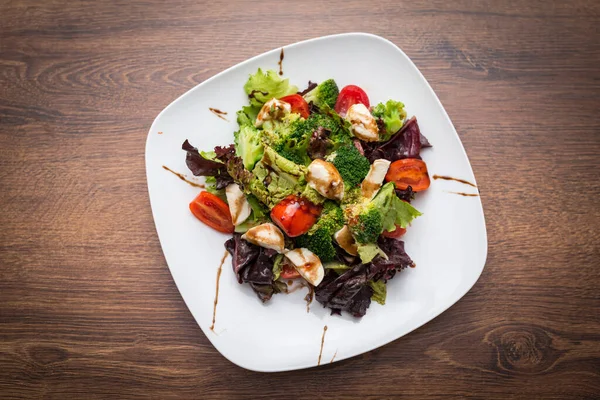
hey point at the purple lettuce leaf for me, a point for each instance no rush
(243, 254)
(199, 165)
(350, 291)
(254, 265)
(381, 268)
(406, 143)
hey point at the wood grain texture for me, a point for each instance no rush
(88, 308)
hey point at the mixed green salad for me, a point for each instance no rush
(316, 186)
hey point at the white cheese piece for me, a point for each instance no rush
(272, 110)
(266, 235)
(307, 264)
(325, 179)
(372, 182)
(344, 239)
(239, 207)
(363, 123)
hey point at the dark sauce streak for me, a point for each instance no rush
(252, 94)
(449, 178)
(183, 178)
(212, 327)
(309, 297)
(218, 113)
(322, 343)
(160, 133)
(296, 288)
(333, 358)
(465, 194)
(281, 62)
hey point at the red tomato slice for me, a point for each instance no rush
(213, 211)
(349, 96)
(395, 234)
(299, 105)
(289, 272)
(295, 215)
(409, 172)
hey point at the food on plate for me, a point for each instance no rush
(316, 186)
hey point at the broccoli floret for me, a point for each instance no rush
(352, 166)
(326, 93)
(393, 115)
(292, 142)
(319, 243)
(332, 217)
(368, 225)
(291, 136)
(319, 237)
(368, 220)
(339, 133)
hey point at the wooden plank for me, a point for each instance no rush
(88, 308)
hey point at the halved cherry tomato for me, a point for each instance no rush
(349, 96)
(395, 234)
(295, 215)
(289, 272)
(213, 211)
(409, 172)
(299, 105)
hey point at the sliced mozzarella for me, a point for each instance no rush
(363, 123)
(325, 179)
(266, 235)
(372, 182)
(307, 264)
(272, 110)
(239, 207)
(344, 239)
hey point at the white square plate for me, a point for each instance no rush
(448, 243)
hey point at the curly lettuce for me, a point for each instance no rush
(263, 86)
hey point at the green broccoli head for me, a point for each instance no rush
(319, 242)
(291, 139)
(368, 220)
(332, 217)
(393, 115)
(367, 225)
(292, 142)
(319, 238)
(352, 166)
(325, 94)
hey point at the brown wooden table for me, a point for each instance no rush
(88, 307)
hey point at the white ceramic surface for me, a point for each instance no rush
(448, 243)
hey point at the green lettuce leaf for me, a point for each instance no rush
(210, 186)
(369, 251)
(379, 291)
(263, 86)
(393, 210)
(277, 266)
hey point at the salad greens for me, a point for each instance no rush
(300, 183)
